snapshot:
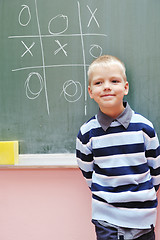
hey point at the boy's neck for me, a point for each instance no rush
(113, 113)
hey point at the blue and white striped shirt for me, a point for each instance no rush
(121, 165)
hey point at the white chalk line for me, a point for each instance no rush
(83, 54)
(43, 62)
(50, 66)
(60, 35)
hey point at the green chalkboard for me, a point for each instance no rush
(45, 49)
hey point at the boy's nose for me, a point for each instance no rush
(107, 85)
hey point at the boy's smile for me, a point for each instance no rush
(108, 87)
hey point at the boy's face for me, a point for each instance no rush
(108, 87)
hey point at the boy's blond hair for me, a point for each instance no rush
(106, 60)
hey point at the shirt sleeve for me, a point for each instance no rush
(152, 154)
(84, 157)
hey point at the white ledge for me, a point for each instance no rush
(66, 160)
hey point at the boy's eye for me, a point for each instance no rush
(98, 83)
(115, 81)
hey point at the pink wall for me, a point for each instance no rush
(38, 204)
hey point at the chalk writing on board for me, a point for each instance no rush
(24, 8)
(29, 93)
(92, 16)
(60, 48)
(65, 20)
(28, 49)
(77, 93)
(95, 51)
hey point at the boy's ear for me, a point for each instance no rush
(126, 88)
(90, 91)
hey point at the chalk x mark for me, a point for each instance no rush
(60, 48)
(28, 49)
(92, 16)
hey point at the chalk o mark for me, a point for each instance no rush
(95, 50)
(30, 93)
(25, 8)
(58, 19)
(77, 93)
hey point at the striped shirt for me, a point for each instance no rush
(121, 165)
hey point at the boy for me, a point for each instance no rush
(119, 155)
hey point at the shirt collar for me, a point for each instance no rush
(124, 118)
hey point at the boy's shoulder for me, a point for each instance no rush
(138, 118)
(92, 123)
